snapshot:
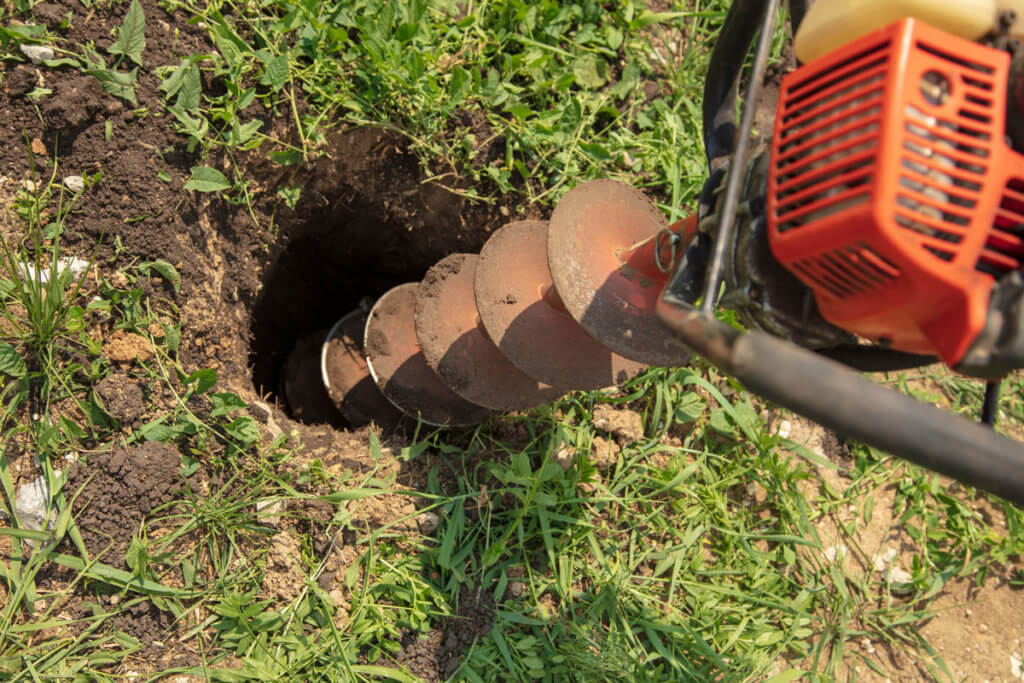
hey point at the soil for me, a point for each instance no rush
(436, 655)
(976, 628)
(257, 283)
(116, 490)
(121, 398)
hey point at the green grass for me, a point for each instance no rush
(664, 567)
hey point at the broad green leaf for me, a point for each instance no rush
(11, 362)
(158, 431)
(182, 73)
(169, 272)
(191, 89)
(406, 32)
(226, 402)
(190, 125)
(276, 73)
(229, 44)
(117, 83)
(206, 179)
(205, 378)
(690, 407)
(288, 158)
(242, 134)
(459, 86)
(596, 150)
(131, 36)
(172, 336)
(245, 430)
(589, 71)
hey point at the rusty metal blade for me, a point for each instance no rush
(524, 316)
(591, 234)
(457, 347)
(397, 364)
(346, 376)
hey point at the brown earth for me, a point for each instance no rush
(256, 281)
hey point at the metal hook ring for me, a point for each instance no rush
(673, 239)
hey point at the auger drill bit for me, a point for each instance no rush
(545, 309)
(399, 367)
(522, 311)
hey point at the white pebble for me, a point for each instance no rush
(428, 522)
(75, 183)
(881, 561)
(785, 429)
(37, 53)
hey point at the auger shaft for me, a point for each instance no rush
(546, 308)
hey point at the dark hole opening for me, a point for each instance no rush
(325, 269)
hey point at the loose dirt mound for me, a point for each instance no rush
(117, 489)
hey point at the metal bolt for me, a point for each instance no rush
(935, 87)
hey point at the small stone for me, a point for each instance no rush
(72, 264)
(983, 628)
(37, 54)
(566, 457)
(1016, 668)
(29, 185)
(835, 553)
(115, 599)
(428, 523)
(899, 580)
(31, 503)
(75, 183)
(785, 429)
(881, 561)
(269, 510)
(968, 613)
(515, 589)
(504, 211)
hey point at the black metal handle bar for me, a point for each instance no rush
(835, 397)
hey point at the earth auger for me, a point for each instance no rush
(880, 227)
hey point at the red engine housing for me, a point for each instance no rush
(892, 192)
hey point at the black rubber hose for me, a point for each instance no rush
(990, 406)
(797, 11)
(831, 395)
(722, 81)
(875, 358)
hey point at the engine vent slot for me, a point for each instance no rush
(829, 139)
(853, 270)
(887, 191)
(1004, 248)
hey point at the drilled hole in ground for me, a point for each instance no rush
(322, 273)
(366, 222)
